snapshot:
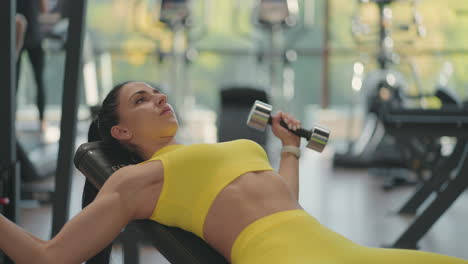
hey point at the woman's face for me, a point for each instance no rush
(145, 114)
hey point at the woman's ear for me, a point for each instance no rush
(120, 133)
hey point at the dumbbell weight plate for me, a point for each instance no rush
(318, 139)
(259, 115)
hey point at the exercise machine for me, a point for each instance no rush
(448, 181)
(9, 165)
(236, 101)
(276, 18)
(375, 147)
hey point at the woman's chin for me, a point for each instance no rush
(172, 130)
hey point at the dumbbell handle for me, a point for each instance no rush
(301, 132)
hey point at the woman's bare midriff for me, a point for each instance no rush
(250, 197)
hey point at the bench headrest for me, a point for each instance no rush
(98, 161)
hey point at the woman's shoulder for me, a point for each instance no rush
(138, 186)
(148, 172)
(136, 177)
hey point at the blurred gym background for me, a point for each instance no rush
(321, 60)
(225, 45)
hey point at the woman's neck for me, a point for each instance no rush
(149, 149)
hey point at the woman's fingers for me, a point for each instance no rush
(280, 116)
(291, 121)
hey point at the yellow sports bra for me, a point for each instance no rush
(195, 174)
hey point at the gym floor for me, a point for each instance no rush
(350, 202)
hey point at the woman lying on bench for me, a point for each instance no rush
(226, 193)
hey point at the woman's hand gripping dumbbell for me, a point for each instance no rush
(260, 116)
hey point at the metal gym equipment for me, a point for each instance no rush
(70, 99)
(71, 84)
(362, 152)
(450, 177)
(9, 165)
(447, 179)
(39, 158)
(176, 15)
(260, 116)
(275, 17)
(40, 165)
(374, 147)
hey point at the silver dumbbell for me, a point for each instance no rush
(260, 116)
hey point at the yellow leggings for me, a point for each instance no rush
(295, 237)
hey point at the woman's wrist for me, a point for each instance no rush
(295, 143)
(296, 151)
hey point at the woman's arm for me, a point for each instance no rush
(81, 238)
(289, 164)
(15, 240)
(88, 232)
(289, 170)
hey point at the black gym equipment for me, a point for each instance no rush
(38, 162)
(38, 158)
(70, 99)
(9, 165)
(437, 178)
(412, 130)
(260, 116)
(422, 154)
(450, 177)
(376, 148)
(235, 104)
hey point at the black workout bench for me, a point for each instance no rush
(450, 177)
(97, 161)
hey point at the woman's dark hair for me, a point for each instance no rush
(99, 130)
(108, 116)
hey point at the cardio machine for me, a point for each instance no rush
(375, 148)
